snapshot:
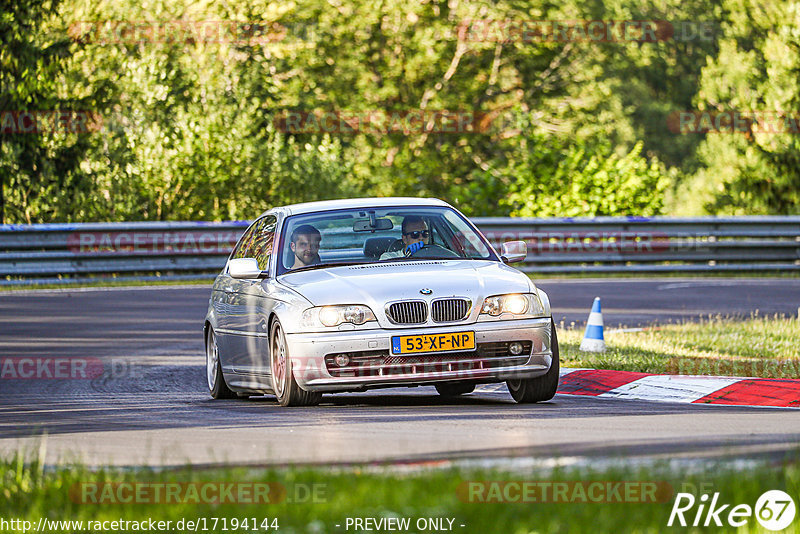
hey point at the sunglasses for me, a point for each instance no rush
(417, 234)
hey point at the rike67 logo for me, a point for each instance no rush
(774, 510)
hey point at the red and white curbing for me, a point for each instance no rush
(628, 385)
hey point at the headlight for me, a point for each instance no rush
(517, 304)
(336, 315)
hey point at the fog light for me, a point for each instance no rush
(343, 359)
(515, 348)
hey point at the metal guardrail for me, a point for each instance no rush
(652, 244)
(63, 253)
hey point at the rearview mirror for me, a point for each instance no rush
(244, 268)
(372, 226)
(513, 251)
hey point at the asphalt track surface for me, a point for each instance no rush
(150, 405)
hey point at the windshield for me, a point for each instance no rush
(325, 239)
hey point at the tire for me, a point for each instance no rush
(216, 381)
(454, 389)
(541, 388)
(284, 385)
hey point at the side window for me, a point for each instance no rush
(262, 241)
(244, 243)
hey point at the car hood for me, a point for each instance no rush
(375, 284)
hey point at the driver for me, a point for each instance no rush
(305, 246)
(415, 236)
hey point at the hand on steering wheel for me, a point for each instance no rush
(413, 248)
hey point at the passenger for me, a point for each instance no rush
(305, 246)
(415, 236)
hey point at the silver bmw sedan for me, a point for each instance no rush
(349, 295)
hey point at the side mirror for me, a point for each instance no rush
(513, 251)
(244, 268)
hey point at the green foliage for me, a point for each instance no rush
(191, 136)
(318, 498)
(545, 176)
(755, 73)
(571, 128)
(591, 181)
(39, 178)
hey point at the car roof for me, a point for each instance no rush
(374, 202)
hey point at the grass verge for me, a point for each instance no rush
(536, 277)
(317, 500)
(723, 346)
(109, 283)
(689, 275)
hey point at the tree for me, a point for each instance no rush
(545, 176)
(754, 169)
(38, 178)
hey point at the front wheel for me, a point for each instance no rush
(216, 382)
(541, 388)
(284, 385)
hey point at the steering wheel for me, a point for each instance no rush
(434, 251)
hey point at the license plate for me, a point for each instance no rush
(433, 343)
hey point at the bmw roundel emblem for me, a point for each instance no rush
(426, 291)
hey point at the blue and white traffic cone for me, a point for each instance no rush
(593, 338)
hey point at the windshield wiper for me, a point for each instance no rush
(412, 258)
(323, 266)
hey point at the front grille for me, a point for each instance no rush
(381, 363)
(449, 310)
(408, 312)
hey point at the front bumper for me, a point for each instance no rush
(486, 364)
